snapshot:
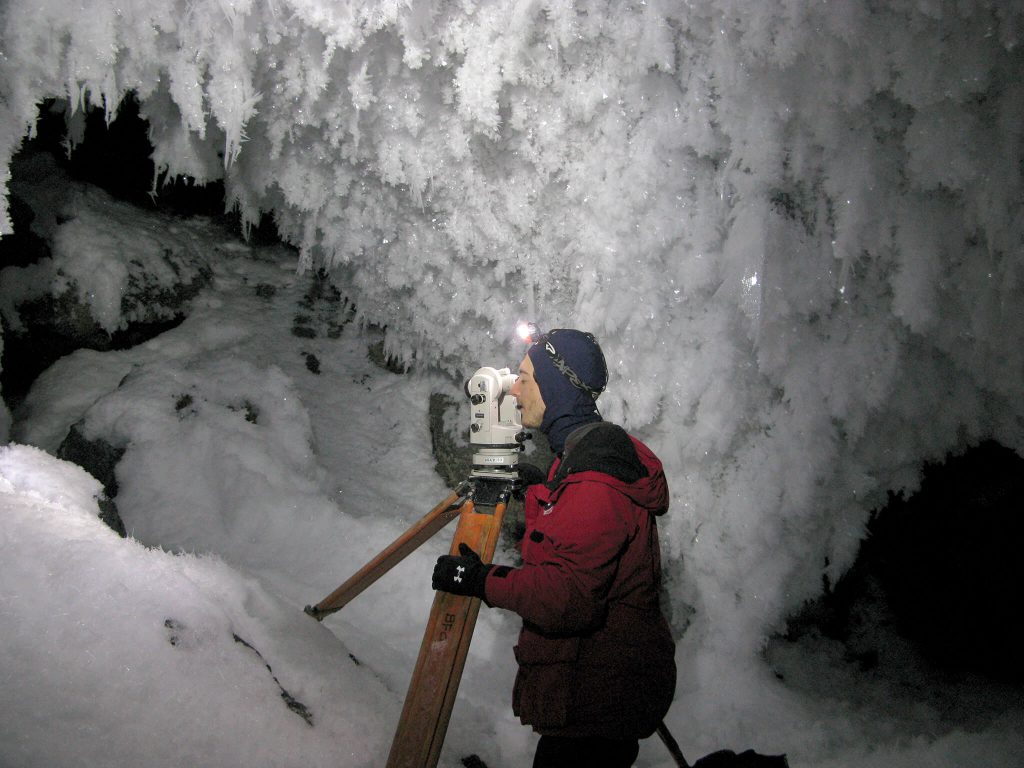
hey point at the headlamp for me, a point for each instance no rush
(529, 332)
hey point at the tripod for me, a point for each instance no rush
(479, 503)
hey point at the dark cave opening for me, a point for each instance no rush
(941, 568)
(115, 157)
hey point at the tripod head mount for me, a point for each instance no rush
(495, 431)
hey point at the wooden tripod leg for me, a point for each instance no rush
(394, 553)
(435, 680)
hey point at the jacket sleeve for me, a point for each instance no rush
(569, 561)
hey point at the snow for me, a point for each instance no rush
(119, 654)
(795, 227)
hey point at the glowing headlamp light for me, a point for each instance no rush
(529, 332)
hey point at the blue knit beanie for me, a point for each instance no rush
(571, 372)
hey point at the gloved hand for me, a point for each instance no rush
(462, 574)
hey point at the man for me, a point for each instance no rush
(596, 659)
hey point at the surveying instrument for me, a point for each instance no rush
(479, 502)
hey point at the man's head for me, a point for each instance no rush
(527, 394)
(560, 379)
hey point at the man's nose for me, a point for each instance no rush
(514, 389)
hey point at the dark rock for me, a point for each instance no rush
(56, 324)
(99, 458)
(448, 439)
(324, 311)
(290, 701)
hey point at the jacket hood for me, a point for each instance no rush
(604, 452)
(570, 371)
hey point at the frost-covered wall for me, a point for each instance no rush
(795, 225)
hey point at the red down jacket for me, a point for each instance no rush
(595, 653)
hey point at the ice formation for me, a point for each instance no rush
(796, 226)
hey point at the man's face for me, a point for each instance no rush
(527, 394)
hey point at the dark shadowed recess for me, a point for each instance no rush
(117, 158)
(942, 569)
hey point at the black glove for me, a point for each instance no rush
(462, 574)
